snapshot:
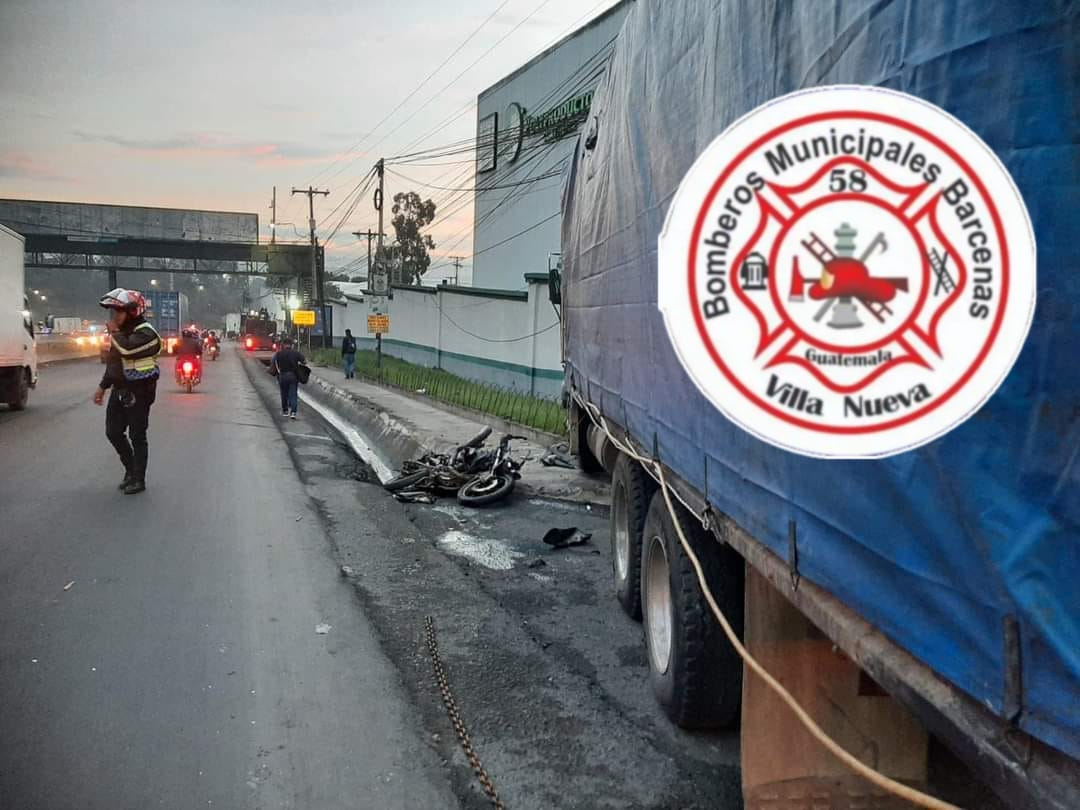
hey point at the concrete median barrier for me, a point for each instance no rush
(54, 348)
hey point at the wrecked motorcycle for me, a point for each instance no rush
(477, 475)
(496, 482)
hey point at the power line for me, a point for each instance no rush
(415, 90)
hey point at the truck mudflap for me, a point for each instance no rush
(1021, 769)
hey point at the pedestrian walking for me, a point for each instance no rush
(348, 354)
(285, 365)
(131, 371)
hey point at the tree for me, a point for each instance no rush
(411, 214)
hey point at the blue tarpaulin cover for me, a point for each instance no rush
(938, 546)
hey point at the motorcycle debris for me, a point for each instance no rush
(553, 458)
(539, 562)
(564, 538)
(414, 496)
(322, 629)
(347, 571)
(69, 585)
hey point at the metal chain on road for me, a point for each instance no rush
(455, 717)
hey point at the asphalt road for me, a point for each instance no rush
(182, 668)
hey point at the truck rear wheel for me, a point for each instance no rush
(19, 392)
(631, 489)
(696, 674)
(579, 432)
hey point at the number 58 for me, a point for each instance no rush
(847, 180)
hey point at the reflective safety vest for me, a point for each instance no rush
(143, 368)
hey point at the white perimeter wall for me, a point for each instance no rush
(511, 340)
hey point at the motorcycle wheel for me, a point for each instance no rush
(405, 481)
(190, 385)
(484, 491)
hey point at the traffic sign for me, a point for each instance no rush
(303, 317)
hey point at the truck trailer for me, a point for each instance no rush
(930, 593)
(18, 347)
(168, 311)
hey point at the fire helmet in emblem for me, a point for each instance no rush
(847, 272)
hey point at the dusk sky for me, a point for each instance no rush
(209, 104)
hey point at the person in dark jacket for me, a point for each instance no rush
(131, 371)
(284, 364)
(348, 354)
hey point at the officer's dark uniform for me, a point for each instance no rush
(132, 373)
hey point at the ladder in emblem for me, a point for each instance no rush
(818, 248)
(945, 282)
(878, 309)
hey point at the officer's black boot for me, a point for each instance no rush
(141, 455)
(128, 478)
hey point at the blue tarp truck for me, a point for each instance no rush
(923, 599)
(167, 310)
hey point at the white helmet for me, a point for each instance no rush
(131, 301)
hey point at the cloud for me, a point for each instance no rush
(21, 165)
(211, 145)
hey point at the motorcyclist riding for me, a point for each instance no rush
(212, 343)
(131, 371)
(189, 348)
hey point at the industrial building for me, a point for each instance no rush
(526, 127)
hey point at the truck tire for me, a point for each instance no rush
(579, 424)
(631, 489)
(19, 392)
(696, 674)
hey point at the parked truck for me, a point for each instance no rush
(929, 595)
(18, 349)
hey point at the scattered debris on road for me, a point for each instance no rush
(557, 458)
(539, 562)
(69, 585)
(414, 496)
(564, 538)
(322, 629)
(347, 571)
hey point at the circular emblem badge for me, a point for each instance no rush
(847, 272)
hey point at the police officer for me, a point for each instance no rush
(132, 372)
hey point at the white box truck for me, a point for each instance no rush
(66, 325)
(18, 349)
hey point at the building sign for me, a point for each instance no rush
(486, 143)
(303, 317)
(378, 324)
(558, 121)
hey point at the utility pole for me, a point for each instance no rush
(380, 167)
(457, 266)
(273, 217)
(369, 234)
(316, 287)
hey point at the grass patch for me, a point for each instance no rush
(513, 406)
